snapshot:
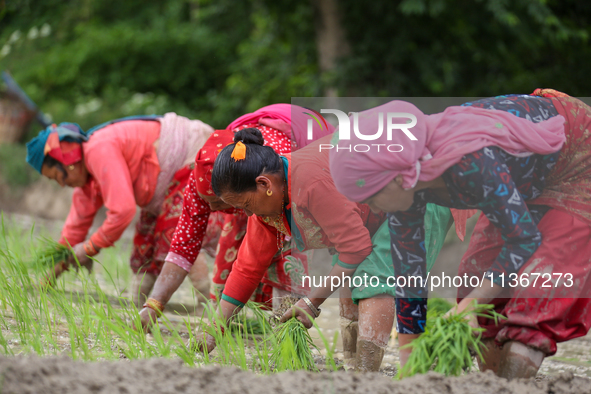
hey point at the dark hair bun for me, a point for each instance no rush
(249, 136)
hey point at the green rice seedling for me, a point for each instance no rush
(437, 307)
(230, 348)
(445, 345)
(258, 324)
(86, 316)
(177, 345)
(262, 353)
(50, 254)
(232, 343)
(250, 326)
(294, 347)
(4, 344)
(262, 339)
(330, 349)
(80, 314)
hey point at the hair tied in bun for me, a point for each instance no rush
(239, 151)
(249, 135)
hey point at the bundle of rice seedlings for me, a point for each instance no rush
(294, 347)
(51, 254)
(445, 345)
(293, 350)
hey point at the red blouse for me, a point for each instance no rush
(324, 217)
(123, 167)
(190, 230)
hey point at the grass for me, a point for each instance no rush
(445, 346)
(90, 317)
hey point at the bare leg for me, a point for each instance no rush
(349, 313)
(404, 354)
(520, 361)
(199, 276)
(141, 286)
(376, 317)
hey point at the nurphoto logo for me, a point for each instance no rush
(395, 121)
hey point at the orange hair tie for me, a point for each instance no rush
(239, 152)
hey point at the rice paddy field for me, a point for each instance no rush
(79, 337)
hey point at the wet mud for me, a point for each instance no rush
(33, 375)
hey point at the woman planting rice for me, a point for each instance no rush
(275, 123)
(252, 177)
(533, 188)
(143, 161)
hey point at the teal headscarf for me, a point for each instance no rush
(68, 132)
(36, 147)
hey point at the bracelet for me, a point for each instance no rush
(89, 248)
(155, 305)
(315, 311)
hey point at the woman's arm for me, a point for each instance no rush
(191, 228)
(184, 249)
(301, 311)
(85, 205)
(254, 258)
(168, 282)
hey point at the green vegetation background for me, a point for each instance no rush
(88, 61)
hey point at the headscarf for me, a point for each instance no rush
(206, 157)
(441, 141)
(62, 142)
(290, 119)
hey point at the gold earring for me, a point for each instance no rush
(269, 193)
(71, 167)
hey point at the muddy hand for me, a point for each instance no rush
(54, 273)
(82, 258)
(300, 311)
(148, 317)
(206, 344)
